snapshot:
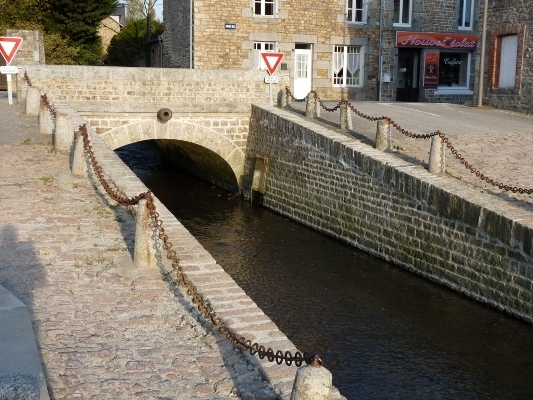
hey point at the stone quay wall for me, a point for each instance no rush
(399, 212)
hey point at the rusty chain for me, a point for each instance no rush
(413, 135)
(48, 105)
(202, 304)
(28, 81)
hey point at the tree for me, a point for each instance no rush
(127, 48)
(77, 22)
(138, 9)
(20, 14)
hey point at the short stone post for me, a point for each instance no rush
(33, 101)
(79, 162)
(310, 106)
(145, 252)
(437, 156)
(64, 132)
(382, 135)
(346, 118)
(312, 382)
(46, 125)
(22, 90)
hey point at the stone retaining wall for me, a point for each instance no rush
(394, 210)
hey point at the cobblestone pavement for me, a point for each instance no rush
(498, 143)
(104, 331)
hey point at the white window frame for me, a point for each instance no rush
(508, 60)
(344, 66)
(351, 7)
(463, 4)
(262, 5)
(468, 66)
(261, 47)
(409, 17)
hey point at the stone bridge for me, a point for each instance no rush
(335, 184)
(210, 111)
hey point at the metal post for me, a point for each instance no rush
(482, 61)
(9, 90)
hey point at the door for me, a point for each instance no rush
(302, 70)
(408, 75)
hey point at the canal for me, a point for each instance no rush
(384, 333)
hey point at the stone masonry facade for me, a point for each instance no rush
(226, 34)
(509, 19)
(369, 199)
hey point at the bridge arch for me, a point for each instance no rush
(186, 135)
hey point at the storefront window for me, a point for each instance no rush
(453, 69)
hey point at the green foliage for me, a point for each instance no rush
(78, 22)
(19, 14)
(127, 49)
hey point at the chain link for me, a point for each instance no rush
(203, 305)
(51, 110)
(413, 135)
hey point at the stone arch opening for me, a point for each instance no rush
(188, 144)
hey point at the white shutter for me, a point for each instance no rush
(508, 61)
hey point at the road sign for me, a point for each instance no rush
(9, 69)
(271, 79)
(9, 47)
(272, 61)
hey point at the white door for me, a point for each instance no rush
(508, 61)
(302, 72)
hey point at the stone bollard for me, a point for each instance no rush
(79, 162)
(33, 101)
(64, 132)
(346, 118)
(312, 383)
(46, 124)
(22, 90)
(437, 156)
(310, 106)
(382, 135)
(147, 243)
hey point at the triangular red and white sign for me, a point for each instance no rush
(9, 47)
(272, 61)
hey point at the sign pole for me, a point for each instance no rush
(9, 90)
(271, 102)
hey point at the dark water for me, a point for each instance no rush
(383, 333)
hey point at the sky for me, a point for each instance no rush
(159, 10)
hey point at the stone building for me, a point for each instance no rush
(508, 70)
(423, 50)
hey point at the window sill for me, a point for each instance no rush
(454, 90)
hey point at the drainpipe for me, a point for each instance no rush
(190, 33)
(482, 61)
(380, 49)
(160, 38)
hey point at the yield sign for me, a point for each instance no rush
(9, 47)
(272, 61)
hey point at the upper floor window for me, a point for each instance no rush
(402, 12)
(356, 11)
(261, 47)
(348, 62)
(466, 11)
(265, 7)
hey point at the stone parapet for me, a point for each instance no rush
(392, 209)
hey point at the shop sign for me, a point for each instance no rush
(431, 70)
(434, 39)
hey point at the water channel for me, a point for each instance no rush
(383, 332)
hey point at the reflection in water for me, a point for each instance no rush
(384, 333)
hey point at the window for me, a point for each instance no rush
(466, 11)
(508, 61)
(402, 12)
(356, 11)
(257, 59)
(453, 69)
(348, 64)
(264, 7)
